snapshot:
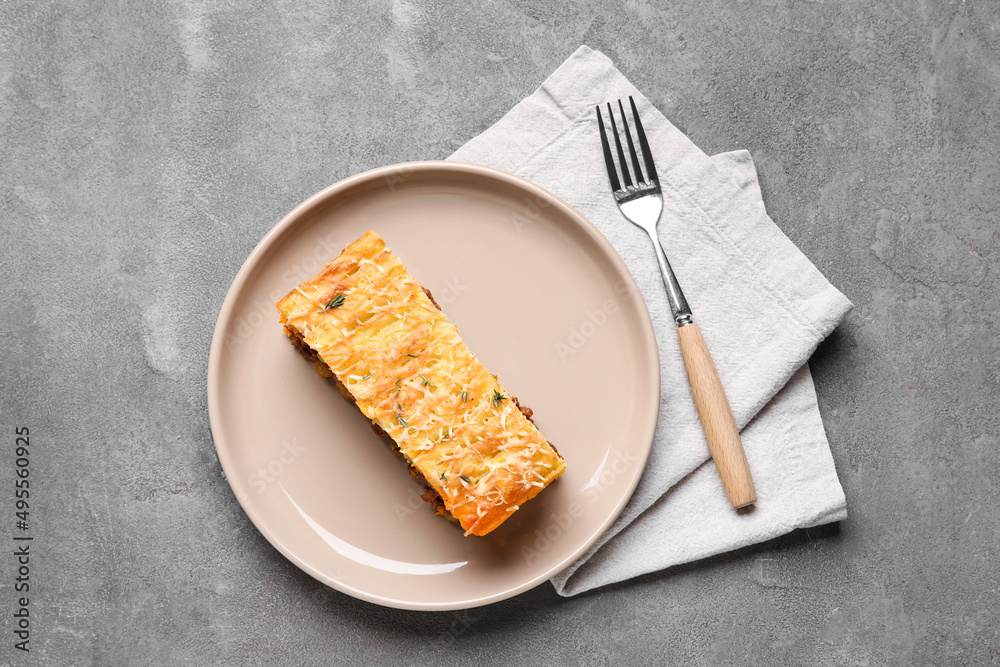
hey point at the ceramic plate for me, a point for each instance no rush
(543, 300)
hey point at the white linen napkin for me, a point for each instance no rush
(761, 305)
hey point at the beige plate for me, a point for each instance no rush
(543, 300)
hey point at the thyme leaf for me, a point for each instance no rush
(335, 302)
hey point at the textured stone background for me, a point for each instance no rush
(146, 148)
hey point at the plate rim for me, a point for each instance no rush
(285, 226)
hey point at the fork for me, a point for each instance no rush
(641, 202)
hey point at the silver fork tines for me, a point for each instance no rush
(640, 198)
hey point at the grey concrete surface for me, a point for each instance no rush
(146, 148)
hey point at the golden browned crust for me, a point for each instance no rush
(366, 323)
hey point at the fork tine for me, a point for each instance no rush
(621, 153)
(644, 145)
(608, 160)
(631, 146)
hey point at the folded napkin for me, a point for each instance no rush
(761, 305)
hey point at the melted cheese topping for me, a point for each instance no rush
(410, 372)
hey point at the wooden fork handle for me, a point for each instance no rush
(716, 418)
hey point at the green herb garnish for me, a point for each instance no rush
(397, 386)
(401, 421)
(466, 479)
(497, 397)
(465, 395)
(367, 377)
(336, 302)
(443, 477)
(424, 383)
(410, 355)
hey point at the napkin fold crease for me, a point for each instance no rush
(761, 304)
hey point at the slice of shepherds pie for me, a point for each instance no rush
(366, 323)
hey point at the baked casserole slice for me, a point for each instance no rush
(367, 323)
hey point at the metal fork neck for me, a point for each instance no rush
(675, 297)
